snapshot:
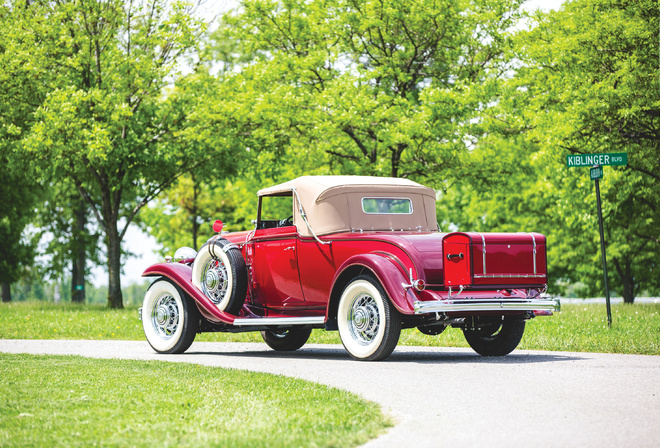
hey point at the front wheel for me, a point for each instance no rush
(286, 340)
(369, 326)
(170, 319)
(495, 337)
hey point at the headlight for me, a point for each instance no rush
(184, 253)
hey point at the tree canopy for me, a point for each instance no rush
(111, 113)
(133, 103)
(586, 82)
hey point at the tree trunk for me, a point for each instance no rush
(115, 299)
(80, 255)
(627, 280)
(6, 292)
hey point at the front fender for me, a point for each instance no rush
(181, 274)
(386, 270)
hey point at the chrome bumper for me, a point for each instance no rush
(479, 304)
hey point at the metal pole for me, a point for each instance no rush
(602, 251)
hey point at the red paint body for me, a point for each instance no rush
(293, 276)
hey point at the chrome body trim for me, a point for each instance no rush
(494, 304)
(534, 242)
(510, 276)
(308, 320)
(483, 249)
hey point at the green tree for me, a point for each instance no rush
(382, 88)
(71, 238)
(586, 82)
(594, 68)
(17, 207)
(113, 119)
(21, 89)
(184, 214)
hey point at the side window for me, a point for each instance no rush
(387, 206)
(276, 211)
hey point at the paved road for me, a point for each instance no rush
(449, 396)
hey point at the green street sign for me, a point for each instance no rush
(607, 159)
(596, 173)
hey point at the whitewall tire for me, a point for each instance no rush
(369, 326)
(170, 319)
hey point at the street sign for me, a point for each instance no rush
(596, 173)
(606, 159)
(596, 163)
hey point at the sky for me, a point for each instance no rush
(142, 245)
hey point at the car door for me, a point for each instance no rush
(274, 257)
(275, 276)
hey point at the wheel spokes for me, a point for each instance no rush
(364, 319)
(214, 280)
(165, 316)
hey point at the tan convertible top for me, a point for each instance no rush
(334, 203)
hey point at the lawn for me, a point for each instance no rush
(72, 401)
(635, 329)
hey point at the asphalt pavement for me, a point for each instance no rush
(449, 397)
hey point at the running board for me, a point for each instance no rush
(251, 321)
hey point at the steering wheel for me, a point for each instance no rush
(286, 222)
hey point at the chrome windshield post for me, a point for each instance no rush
(303, 215)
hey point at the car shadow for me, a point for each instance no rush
(418, 355)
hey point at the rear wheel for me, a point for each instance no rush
(286, 340)
(170, 318)
(369, 326)
(495, 336)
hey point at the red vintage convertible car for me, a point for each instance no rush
(358, 255)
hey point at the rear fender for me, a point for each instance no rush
(181, 274)
(385, 269)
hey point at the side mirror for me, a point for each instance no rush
(217, 226)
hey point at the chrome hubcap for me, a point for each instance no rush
(165, 316)
(214, 280)
(364, 319)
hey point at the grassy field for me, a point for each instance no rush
(73, 401)
(635, 329)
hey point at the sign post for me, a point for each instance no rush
(596, 163)
(602, 245)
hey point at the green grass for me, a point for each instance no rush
(635, 329)
(44, 320)
(73, 401)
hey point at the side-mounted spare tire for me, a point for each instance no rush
(219, 272)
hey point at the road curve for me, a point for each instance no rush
(451, 396)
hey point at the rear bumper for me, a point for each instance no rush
(486, 304)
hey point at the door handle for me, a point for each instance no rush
(290, 248)
(459, 256)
